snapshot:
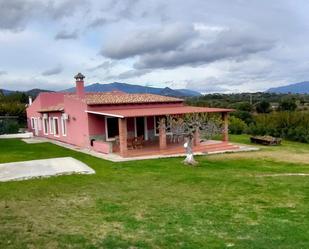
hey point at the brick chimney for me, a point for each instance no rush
(80, 90)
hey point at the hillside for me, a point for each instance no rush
(301, 88)
(33, 92)
(128, 88)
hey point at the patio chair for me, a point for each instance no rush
(176, 138)
(139, 142)
(130, 143)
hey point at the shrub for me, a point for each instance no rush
(263, 107)
(237, 126)
(289, 125)
(287, 105)
(8, 126)
(244, 115)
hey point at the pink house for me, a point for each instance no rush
(112, 122)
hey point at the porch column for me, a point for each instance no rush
(225, 133)
(162, 135)
(197, 139)
(123, 134)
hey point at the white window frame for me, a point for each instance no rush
(39, 123)
(36, 127)
(155, 126)
(51, 125)
(135, 127)
(106, 130)
(54, 126)
(45, 127)
(32, 123)
(145, 128)
(64, 127)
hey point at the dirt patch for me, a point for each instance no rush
(283, 174)
(281, 156)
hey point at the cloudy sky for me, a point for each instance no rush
(206, 45)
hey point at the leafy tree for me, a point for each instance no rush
(287, 105)
(244, 106)
(237, 126)
(244, 115)
(263, 107)
(188, 125)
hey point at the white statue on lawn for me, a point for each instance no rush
(189, 160)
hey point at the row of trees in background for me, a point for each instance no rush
(12, 112)
(279, 115)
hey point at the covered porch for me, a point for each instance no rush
(134, 132)
(152, 149)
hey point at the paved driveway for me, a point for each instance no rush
(42, 168)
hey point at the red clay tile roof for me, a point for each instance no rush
(55, 108)
(108, 98)
(157, 111)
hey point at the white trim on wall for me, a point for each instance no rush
(106, 130)
(135, 127)
(56, 121)
(32, 122)
(155, 126)
(145, 129)
(39, 123)
(45, 126)
(63, 126)
(36, 129)
(51, 125)
(105, 114)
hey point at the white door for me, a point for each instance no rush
(36, 127)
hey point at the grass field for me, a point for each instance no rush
(226, 202)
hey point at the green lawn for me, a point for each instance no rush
(223, 203)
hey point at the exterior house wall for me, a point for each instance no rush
(77, 125)
(50, 99)
(96, 125)
(60, 136)
(102, 147)
(43, 100)
(32, 112)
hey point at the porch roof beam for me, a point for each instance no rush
(157, 111)
(105, 114)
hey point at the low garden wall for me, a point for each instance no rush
(17, 135)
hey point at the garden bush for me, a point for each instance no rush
(237, 126)
(290, 125)
(8, 126)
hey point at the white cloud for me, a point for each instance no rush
(241, 46)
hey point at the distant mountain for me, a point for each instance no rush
(33, 92)
(302, 88)
(5, 92)
(129, 88)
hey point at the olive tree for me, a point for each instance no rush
(187, 126)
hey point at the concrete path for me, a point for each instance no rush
(35, 140)
(42, 168)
